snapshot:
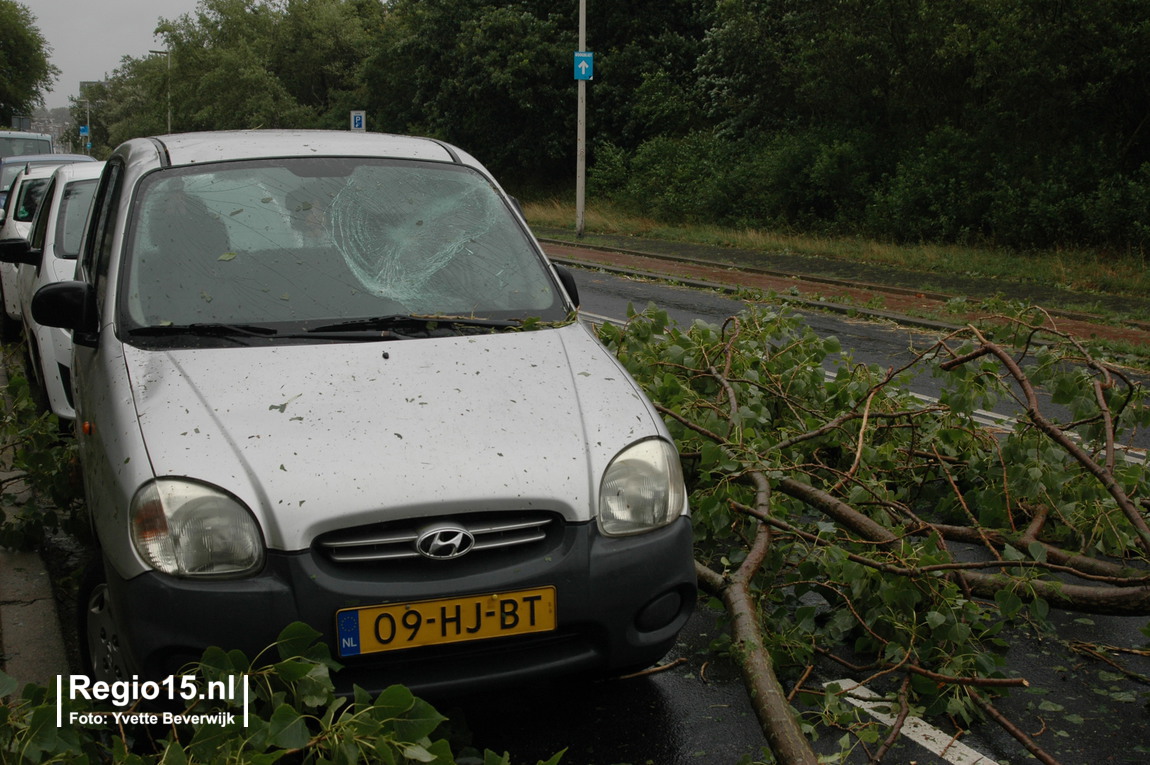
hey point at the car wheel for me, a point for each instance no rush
(101, 650)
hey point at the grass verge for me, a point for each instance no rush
(1080, 271)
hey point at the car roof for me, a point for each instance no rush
(41, 159)
(77, 171)
(35, 171)
(192, 148)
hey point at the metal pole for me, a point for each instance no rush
(169, 57)
(581, 138)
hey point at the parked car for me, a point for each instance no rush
(19, 142)
(11, 165)
(331, 377)
(49, 255)
(25, 178)
(15, 222)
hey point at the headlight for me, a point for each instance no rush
(191, 529)
(642, 489)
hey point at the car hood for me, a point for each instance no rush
(320, 437)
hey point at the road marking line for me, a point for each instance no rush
(914, 728)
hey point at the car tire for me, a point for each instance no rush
(102, 654)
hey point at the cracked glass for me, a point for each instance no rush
(315, 240)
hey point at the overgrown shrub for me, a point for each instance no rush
(951, 187)
(41, 493)
(293, 713)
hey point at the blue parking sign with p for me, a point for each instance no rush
(358, 120)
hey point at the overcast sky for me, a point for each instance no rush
(89, 37)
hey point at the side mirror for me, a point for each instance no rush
(19, 251)
(68, 305)
(567, 279)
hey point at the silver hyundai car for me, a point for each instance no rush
(331, 377)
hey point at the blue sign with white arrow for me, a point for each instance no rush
(584, 65)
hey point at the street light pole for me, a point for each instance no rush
(581, 131)
(168, 55)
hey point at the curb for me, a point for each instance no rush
(817, 279)
(822, 305)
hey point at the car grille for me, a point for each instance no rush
(396, 541)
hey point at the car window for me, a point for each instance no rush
(98, 252)
(73, 214)
(11, 146)
(28, 199)
(8, 174)
(40, 225)
(318, 239)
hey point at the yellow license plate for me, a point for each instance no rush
(372, 629)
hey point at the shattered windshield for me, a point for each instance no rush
(313, 241)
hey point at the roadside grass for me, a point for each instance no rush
(1082, 271)
(1083, 278)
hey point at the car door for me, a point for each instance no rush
(107, 432)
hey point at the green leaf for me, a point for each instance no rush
(418, 753)
(8, 684)
(1012, 553)
(288, 729)
(295, 640)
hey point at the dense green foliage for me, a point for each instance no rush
(40, 491)
(1013, 122)
(293, 716)
(896, 536)
(26, 73)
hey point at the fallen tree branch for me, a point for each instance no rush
(1013, 729)
(1056, 434)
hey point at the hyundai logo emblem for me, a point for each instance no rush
(444, 542)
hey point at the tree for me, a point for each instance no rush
(132, 102)
(222, 75)
(493, 78)
(318, 53)
(829, 508)
(27, 74)
(644, 84)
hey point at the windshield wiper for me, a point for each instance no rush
(412, 321)
(207, 329)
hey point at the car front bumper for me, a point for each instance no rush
(620, 603)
